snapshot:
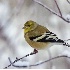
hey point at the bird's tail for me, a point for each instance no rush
(63, 42)
(66, 44)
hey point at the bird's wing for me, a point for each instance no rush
(46, 37)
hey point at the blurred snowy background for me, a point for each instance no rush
(13, 15)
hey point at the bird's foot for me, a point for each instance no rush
(34, 52)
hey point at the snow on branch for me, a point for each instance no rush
(18, 59)
(26, 64)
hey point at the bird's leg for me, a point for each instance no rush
(34, 52)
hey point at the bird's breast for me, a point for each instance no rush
(37, 45)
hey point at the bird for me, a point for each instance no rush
(39, 37)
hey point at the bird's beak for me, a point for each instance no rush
(23, 28)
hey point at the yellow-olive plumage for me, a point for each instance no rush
(32, 29)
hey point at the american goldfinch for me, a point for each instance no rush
(39, 37)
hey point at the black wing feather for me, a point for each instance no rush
(47, 38)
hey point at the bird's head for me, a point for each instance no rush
(29, 26)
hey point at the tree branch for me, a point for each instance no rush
(33, 65)
(51, 11)
(68, 1)
(58, 7)
(67, 40)
(11, 63)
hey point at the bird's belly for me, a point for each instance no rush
(38, 45)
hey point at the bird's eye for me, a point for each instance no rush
(28, 25)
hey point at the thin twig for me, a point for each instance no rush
(64, 56)
(46, 7)
(18, 59)
(51, 11)
(10, 61)
(50, 60)
(67, 40)
(68, 1)
(15, 65)
(58, 8)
